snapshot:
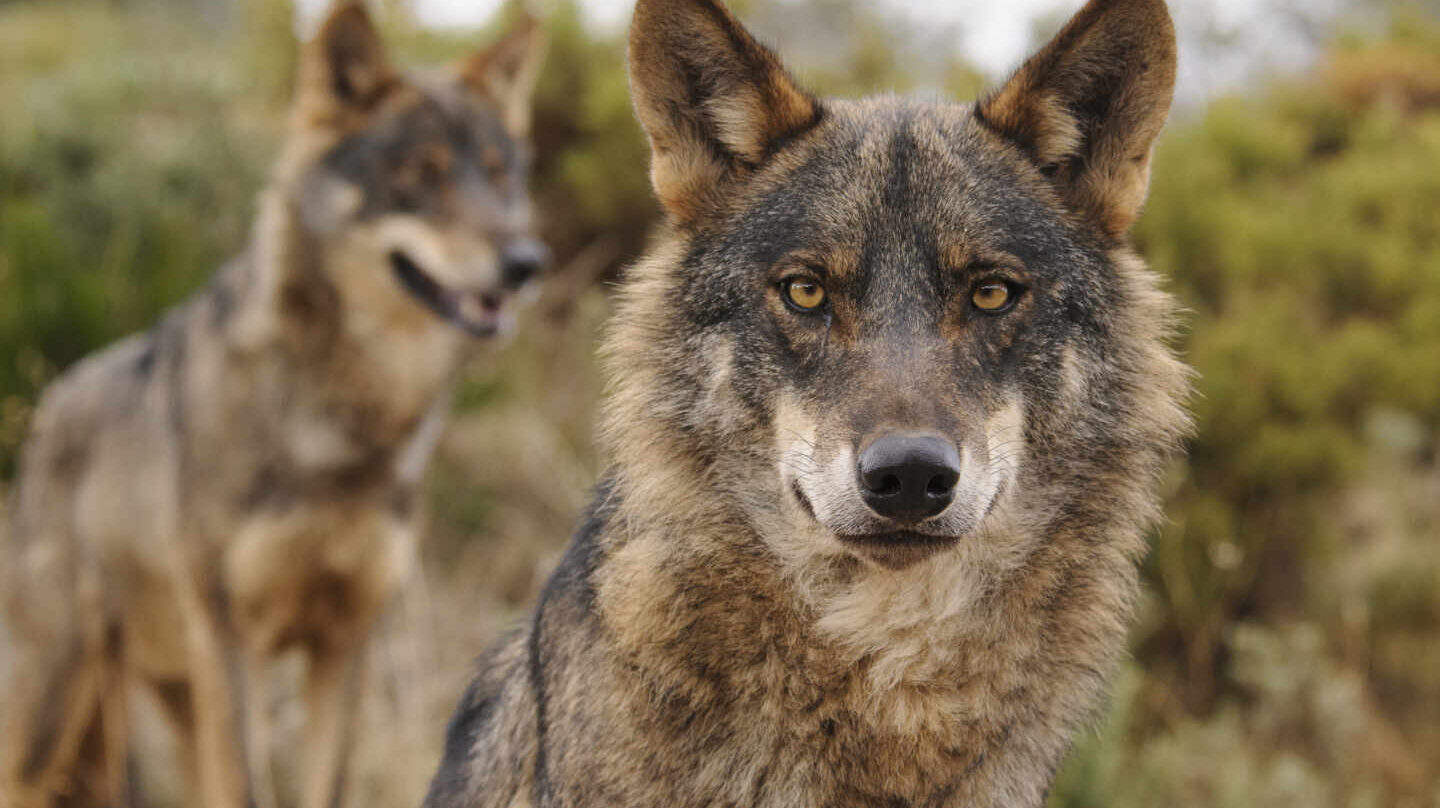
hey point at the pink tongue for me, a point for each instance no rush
(480, 307)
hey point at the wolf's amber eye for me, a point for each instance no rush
(993, 297)
(804, 294)
(426, 170)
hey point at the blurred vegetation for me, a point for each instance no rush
(125, 177)
(1289, 652)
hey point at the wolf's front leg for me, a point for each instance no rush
(257, 730)
(217, 681)
(331, 698)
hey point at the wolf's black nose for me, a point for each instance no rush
(909, 478)
(520, 260)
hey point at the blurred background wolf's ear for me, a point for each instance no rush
(507, 70)
(343, 70)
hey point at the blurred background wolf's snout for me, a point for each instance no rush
(521, 260)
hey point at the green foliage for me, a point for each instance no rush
(1302, 234)
(125, 178)
(593, 181)
(1241, 756)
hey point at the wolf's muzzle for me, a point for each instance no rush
(909, 478)
(475, 313)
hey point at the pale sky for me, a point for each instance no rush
(995, 34)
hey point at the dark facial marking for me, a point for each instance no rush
(431, 159)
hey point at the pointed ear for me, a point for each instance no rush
(715, 103)
(343, 70)
(507, 71)
(1088, 107)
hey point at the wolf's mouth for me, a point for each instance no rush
(893, 549)
(898, 549)
(480, 314)
(900, 538)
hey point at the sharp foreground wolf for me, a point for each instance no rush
(241, 480)
(891, 396)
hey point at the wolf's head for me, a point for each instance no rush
(886, 322)
(409, 190)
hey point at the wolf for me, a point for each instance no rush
(241, 481)
(891, 395)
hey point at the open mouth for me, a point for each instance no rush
(480, 314)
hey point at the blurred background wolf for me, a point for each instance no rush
(1289, 646)
(240, 481)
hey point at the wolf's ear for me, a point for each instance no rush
(506, 71)
(1088, 107)
(715, 102)
(343, 70)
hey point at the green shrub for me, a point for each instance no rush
(125, 178)
(1300, 227)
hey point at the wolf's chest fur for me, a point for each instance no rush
(937, 687)
(300, 575)
(316, 547)
(683, 668)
